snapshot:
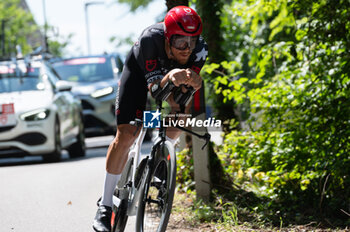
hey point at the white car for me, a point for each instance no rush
(38, 113)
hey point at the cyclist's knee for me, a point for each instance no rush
(125, 135)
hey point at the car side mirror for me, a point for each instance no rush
(63, 86)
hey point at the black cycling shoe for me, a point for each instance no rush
(102, 221)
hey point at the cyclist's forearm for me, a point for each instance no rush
(164, 80)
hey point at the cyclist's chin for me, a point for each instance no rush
(182, 58)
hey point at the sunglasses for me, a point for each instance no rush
(181, 42)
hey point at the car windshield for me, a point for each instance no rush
(14, 80)
(90, 69)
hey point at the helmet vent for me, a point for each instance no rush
(190, 28)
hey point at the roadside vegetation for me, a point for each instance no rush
(285, 157)
(20, 33)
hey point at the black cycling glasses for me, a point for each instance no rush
(181, 42)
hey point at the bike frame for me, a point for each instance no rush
(128, 187)
(135, 159)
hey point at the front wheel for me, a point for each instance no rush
(157, 195)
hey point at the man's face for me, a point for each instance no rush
(182, 47)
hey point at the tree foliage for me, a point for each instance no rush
(18, 24)
(136, 4)
(21, 29)
(210, 12)
(58, 44)
(289, 70)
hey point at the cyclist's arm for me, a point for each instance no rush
(183, 76)
(161, 89)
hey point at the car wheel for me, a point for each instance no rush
(78, 148)
(55, 156)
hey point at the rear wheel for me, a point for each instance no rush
(157, 196)
(55, 156)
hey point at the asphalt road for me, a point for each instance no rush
(50, 197)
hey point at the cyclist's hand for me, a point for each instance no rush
(194, 79)
(179, 76)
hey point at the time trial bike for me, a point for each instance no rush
(147, 185)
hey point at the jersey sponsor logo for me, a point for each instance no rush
(155, 30)
(196, 69)
(201, 55)
(187, 10)
(151, 65)
(153, 73)
(138, 114)
(153, 79)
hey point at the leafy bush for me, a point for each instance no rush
(290, 73)
(185, 170)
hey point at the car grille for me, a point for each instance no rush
(86, 105)
(6, 128)
(31, 139)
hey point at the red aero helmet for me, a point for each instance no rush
(182, 20)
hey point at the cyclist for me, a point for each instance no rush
(169, 51)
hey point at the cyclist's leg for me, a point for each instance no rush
(117, 156)
(130, 103)
(117, 153)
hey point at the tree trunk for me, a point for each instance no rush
(172, 3)
(210, 14)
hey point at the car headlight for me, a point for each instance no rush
(102, 92)
(35, 115)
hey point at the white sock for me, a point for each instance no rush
(111, 181)
(173, 141)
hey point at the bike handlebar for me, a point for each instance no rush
(184, 100)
